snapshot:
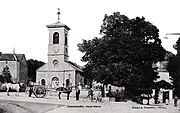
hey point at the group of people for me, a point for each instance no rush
(68, 91)
(90, 94)
(78, 91)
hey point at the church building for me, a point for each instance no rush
(59, 71)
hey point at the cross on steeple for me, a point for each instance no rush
(58, 13)
(13, 50)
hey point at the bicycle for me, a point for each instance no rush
(93, 98)
(89, 98)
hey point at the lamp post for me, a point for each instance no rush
(69, 77)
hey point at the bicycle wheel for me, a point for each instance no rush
(93, 99)
(85, 99)
(40, 92)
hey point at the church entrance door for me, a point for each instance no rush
(55, 82)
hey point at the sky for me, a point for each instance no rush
(23, 22)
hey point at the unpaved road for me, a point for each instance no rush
(8, 106)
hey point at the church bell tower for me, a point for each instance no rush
(58, 43)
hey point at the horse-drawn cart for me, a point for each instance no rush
(38, 90)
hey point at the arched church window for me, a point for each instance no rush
(66, 50)
(66, 39)
(43, 82)
(56, 38)
(55, 63)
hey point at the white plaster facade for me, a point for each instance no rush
(58, 71)
(17, 66)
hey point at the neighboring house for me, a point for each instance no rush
(166, 90)
(17, 66)
(59, 71)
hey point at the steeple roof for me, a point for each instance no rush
(58, 25)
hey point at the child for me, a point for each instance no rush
(175, 101)
(99, 97)
(90, 94)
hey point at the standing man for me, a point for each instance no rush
(175, 101)
(102, 90)
(90, 94)
(78, 91)
(30, 88)
(167, 99)
(69, 89)
(109, 92)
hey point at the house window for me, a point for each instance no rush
(56, 38)
(43, 82)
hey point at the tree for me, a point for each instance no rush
(124, 55)
(174, 68)
(33, 65)
(6, 75)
